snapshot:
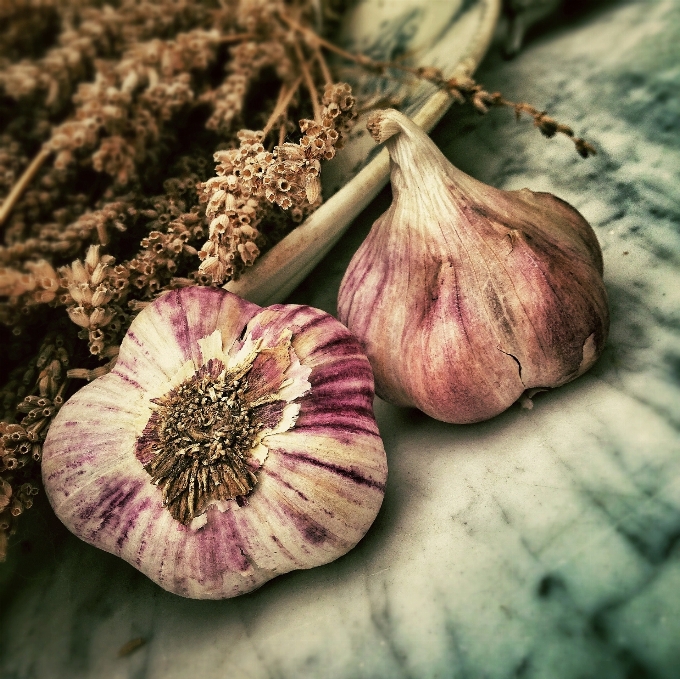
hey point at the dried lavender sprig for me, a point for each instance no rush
(22, 434)
(87, 33)
(251, 177)
(463, 90)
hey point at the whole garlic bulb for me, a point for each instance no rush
(464, 295)
(230, 444)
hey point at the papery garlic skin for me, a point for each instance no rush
(464, 295)
(320, 466)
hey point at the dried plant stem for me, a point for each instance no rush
(237, 37)
(285, 95)
(323, 65)
(18, 189)
(309, 82)
(313, 37)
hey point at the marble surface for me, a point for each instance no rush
(543, 543)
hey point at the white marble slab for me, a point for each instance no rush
(544, 543)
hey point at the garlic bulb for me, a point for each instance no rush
(230, 444)
(464, 295)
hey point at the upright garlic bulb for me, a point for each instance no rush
(230, 444)
(465, 295)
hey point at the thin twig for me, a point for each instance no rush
(323, 65)
(285, 95)
(463, 90)
(316, 39)
(235, 37)
(309, 83)
(26, 178)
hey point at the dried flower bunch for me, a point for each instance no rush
(32, 394)
(121, 109)
(111, 118)
(250, 177)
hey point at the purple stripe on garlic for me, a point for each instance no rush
(216, 455)
(463, 295)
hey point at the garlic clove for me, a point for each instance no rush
(314, 466)
(464, 295)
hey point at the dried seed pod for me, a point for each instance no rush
(465, 295)
(229, 444)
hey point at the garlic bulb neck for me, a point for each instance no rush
(415, 160)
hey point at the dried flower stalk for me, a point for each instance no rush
(25, 179)
(462, 90)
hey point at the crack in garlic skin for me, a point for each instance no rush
(201, 436)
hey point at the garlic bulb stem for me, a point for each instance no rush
(421, 156)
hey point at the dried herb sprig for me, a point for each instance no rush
(37, 92)
(250, 179)
(87, 33)
(30, 399)
(464, 90)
